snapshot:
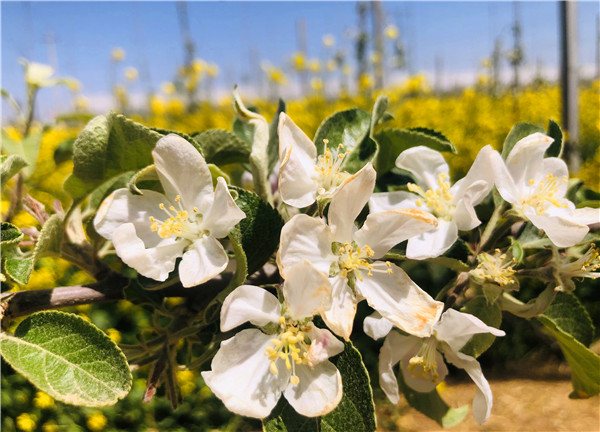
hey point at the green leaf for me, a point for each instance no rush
(109, 146)
(585, 364)
(10, 235)
(27, 149)
(273, 146)
(50, 238)
(144, 175)
(68, 358)
(356, 410)
(19, 269)
(187, 137)
(490, 315)
(567, 312)
(222, 147)
(519, 131)
(348, 127)
(380, 114)
(556, 148)
(432, 405)
(11, 165)
(392, 142)
(354, 413)
(260, 229)
(48, 243)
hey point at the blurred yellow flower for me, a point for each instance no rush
(118, 54)
(391, 31)
(212, 70)
(328, 40)
(168, 88)
(314, 65)
(298, 61)
(43, 400)
(365, 82)
(50, 426)
(331, 65)
(26, 422)
(114, 335)
(131, 73)
(316, 84)
(96, 421)
(186, 381)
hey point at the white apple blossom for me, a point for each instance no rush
(421, 362)
(304, 177)
(288, 356)
(152, 230)
(347, 255)
(452, 205)
(536, 188)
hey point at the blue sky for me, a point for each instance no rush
(226, 33)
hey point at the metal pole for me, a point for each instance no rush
(569, 81)
(377, 11)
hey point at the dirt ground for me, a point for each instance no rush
(540, 405)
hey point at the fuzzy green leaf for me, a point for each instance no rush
(18, 269)
(585, 364)
(567, 312)
(260, 229)
(50, 238)
(348, 127)
(68, 358)
(519, 131)
(109, 146)
(489, 314)
(10, 235)
(11, 165)
(222, 147)
(556, 148)
(356, 410)
(392, 142)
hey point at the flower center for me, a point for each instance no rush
(495, 268)
(439, 200)
(291, 346)
(582, 267)
(178, 224)
(328, 174)
(544, 192)
(352, 258)
(423, 364)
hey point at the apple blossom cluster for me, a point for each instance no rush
(332, 258)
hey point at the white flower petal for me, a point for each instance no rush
(585, 216)
(456, 328)
(340, 316)
(240, 375)
(182, 171)
(480, 171)
(303, 238)
(291, 135)
(376, 326)
(380, 202)
(204, 259)
(348, 202)
(393, 350)
(323, 344)
(558, 168)
(424, 164)
(505, 184)
(249, 303)
(122, 207)
(420, 383)
(562, 230)
(396, 297)
(155, 262)
(525, 160)
(482, 403)
(224, 214)
(433, 243)
(306, 290)
(465, 216)
(318, 392)
(382, 231)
